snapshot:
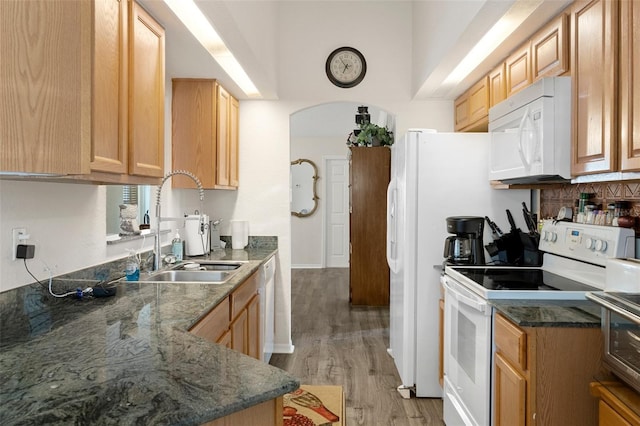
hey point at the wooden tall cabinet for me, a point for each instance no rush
(369, 175)
(205, 133)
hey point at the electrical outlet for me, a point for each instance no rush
(19, 237)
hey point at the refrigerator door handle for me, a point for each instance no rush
(392, 258)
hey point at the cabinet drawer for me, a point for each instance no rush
(511, 341)
(609, 417)
(243, 294)
(215, 323)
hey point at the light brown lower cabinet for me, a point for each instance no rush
(542, 374)
(269, 413)
(235, 322)
(618, 405)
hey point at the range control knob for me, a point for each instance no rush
(589, 243)
(554, 237)
(601, 245)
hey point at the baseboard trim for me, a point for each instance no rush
(281, 348)
(311, 266)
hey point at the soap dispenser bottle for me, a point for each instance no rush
(176, 247)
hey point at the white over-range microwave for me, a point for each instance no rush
(531, 134)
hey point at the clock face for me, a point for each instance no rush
(346, 67)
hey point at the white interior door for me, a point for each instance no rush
(337, 212)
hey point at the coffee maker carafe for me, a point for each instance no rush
(466, 246)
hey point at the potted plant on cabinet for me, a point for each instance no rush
(370, 134)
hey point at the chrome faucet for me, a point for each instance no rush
(159, 218)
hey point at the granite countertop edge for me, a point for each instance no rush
(550, 313)
(128, 358)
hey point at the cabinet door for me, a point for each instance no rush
(518, 69)
(594, 27)
(550, 49)
(146, 94)
(253, 328)
(225, 339)
(479, 102)
(497, 85)
(110, 87)
(509, 394)
(222, 164)
(215, 324)
(461, 112)
(45, 86)
(630, 86)
(239, 333)
(234, 141)
(607, 416)
(193, 131)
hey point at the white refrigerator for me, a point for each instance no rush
(433, 176)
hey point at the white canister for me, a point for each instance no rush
(197, 234)
(239, 234)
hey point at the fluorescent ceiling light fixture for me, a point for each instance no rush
(198, 24)
(502, 29)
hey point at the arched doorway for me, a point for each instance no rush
(319, 133)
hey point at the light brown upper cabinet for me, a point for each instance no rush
(461, 112)
(629, 86)
(204, 133)
(146, 94)
(594, 26)
(518, 69)
(472, 108)
(91, 101)
(550, 49)
(497, 85)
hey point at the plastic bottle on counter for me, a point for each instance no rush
(176, 246)
(132, 266)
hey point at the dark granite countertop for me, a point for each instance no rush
(549, 313)
(126, 359)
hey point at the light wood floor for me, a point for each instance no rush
(336, 344)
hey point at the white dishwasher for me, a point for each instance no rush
(267, 303)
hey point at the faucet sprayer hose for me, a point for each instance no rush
(180, 172)
(157, 250)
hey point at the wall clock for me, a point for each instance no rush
(346, 67)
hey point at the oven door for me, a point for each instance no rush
(621, 330)
(467, 356)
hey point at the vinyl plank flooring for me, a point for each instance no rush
(337, 344)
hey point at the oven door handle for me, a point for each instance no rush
(610, 306)
(478, 306)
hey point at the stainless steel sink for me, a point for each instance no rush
(213, 265)
(181, 276)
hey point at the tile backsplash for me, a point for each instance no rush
(556, 196)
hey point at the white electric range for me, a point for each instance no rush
(574, 263)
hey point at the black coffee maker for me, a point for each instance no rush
(466, 246)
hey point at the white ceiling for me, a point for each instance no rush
(441, 33)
